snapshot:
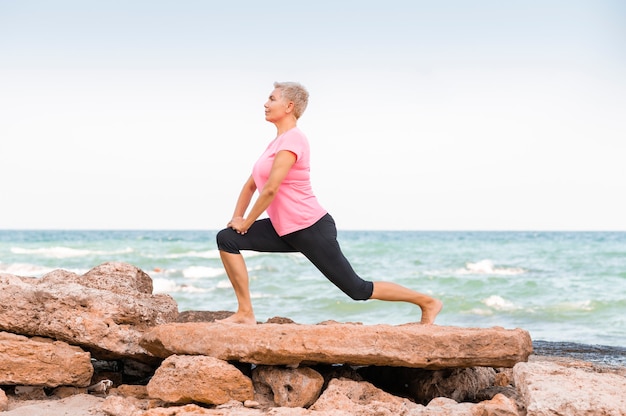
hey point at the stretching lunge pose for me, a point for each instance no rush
(297, 222)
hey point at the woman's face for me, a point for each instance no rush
(276, 107)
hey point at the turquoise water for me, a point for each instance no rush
(560, 286)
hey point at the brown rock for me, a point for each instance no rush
(299, 411)
(30, 392)
(459, 384)
(504, 377)
(298, 387)
(186, 379)
(104, 314)
(4, 401)
(500, 405)
(549, 388)
(127, 390)
(187, 410)
(121, 406)
(112, 276)
(418, 346)
(42, 362)
(65, 391)
(80, 404)
(362, 398)
(203, 316)
(119, 278)
(448, 407)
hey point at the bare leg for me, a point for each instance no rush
(393, 292)
(235, 267)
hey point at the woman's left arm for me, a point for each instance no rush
(283, 161)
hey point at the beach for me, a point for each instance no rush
(108, 323)
(560, 286)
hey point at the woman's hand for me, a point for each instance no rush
(238, 224)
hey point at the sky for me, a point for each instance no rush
(423, 115)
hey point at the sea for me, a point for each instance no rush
(560, 286)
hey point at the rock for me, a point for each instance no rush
(507, 391)
(65, 391)
(504, 377)
(203, 316)
(42, 362)
(30, 392)
(4, 401)
(119, 278)
(126, 390)
(187, 410)
(448, 407)
(186, 379)
(81, 404)
(104, 314)
(115, 277)
(298, 387)
(362, 398)
(419, 346)
(549, 388)
(500, 405)
(459, 384)
(121, 406)
(251, 404)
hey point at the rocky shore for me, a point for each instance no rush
(102, 344)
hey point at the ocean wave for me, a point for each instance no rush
(224, 284)
(583, 305)
(60, 252)
(499, 303)
(197, 272)
(494, 303)
(208, 254)
(169, 286)
(23, 269)
(487, 267)
(31, 270)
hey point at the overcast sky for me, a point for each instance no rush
(423, 115)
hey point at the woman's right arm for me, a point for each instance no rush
(245, 196)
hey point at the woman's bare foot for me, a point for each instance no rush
(239, 318)
(430, 311)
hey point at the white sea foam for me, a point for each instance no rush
(169, 286)
(480, 312)
(487, 267)
(60, 252)
(23, 269)
(208, 254)
(256, 295)
(494, 304)
(223, 284)
(499, 303)
(583, 305)
(197, 272)
(32, 270)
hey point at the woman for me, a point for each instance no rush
(297, 222)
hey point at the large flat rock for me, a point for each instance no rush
(412, 345)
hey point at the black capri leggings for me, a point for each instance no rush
(317, 242)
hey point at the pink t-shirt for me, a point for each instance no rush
(294, 207)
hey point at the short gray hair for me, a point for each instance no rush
(295, 93)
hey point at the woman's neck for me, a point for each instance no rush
(285, 126)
